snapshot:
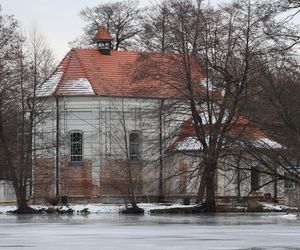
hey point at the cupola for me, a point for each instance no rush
(103, 39)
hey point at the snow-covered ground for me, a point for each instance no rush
(108, 209)
(96, 208)
(275, 207)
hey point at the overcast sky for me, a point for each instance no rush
(58, 20)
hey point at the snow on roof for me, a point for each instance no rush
(241, 128)
(189, 143)
(207, 84)
(80, 86)
(48, 87)
(205, 116)
(266, 143)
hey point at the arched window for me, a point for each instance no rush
(76, 146)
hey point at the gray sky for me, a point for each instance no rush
(58, 20)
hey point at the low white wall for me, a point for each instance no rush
(292, 197)
(6, 191)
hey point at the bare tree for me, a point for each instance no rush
(278, 112)
(124, 156)
(22, 74)
(12, 71)
(155, 35)
(121, 18)
(226, 45)
(291, 6)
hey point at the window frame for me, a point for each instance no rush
(135, 147)
(72, 161)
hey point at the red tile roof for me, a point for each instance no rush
(103, 35)
(241, 127)
(123, 73)
(245, 128)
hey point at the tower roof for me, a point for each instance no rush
(103, 35)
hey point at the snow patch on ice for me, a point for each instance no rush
(287, 216)
(277, 207)
(96, 208)
(106, 209)
(149, 206)
(290, 216)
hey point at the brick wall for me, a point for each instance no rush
(44, 178)
(76, 179)
(77, 184)
(114, 178)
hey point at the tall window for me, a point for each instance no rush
(76, 147)
(134, 146)
(254, 179)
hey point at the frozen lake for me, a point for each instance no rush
(112, 231)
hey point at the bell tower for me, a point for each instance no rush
(103, 39)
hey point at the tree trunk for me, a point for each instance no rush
(131, 186)
(201, 189)
(275, 187)
(20, 191)
(210, 172)
(238, 179)
(21, 201)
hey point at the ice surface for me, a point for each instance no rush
(113, 231)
